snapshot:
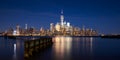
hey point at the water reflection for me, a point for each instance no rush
(11, 49)
(65, 46)
(14, 55)
(62, 46)
(19, 50)
(87, 45)
(91, 44)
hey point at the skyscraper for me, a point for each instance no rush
(51, 27)
(26, 26)
(62, 18)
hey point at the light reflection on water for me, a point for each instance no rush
(14, 55)
(65, 48)
(11, 49)
(62, 46)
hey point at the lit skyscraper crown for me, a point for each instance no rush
(62, 17)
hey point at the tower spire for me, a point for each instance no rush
(62, 17)
(62, 11)
(26, 26)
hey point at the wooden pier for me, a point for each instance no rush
(36, 45)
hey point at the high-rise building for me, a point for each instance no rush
(17, 31)
(57, 27)
(51, 27)
(64, 28)
(26, 27)
(68, 24)
(62, 18)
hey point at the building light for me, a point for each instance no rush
(14, 32)
(68, 24)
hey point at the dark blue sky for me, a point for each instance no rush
(102, 15)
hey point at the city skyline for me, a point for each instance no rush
(62, 28)
(100, 15)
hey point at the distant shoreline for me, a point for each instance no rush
(49, 36)
(105, 36)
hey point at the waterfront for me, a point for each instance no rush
(65, 48)
(61, 28)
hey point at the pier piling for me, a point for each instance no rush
(36, 45)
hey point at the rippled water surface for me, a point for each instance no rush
(65, 48)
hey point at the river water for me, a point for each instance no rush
(65, 48)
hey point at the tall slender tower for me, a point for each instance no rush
(17, 29)
(26, 26)
(62, 18)
(51, 27)
(83, 28)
